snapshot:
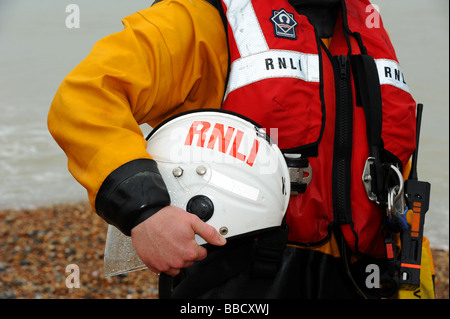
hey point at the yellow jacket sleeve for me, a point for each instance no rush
(169, 58)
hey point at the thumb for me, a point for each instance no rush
(208, 233)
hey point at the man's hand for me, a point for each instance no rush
(165, 242)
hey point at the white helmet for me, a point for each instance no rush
(223, 168)
(218, 165)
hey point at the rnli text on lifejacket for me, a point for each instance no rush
(398, 75)
(283, 64)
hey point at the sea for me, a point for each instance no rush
(41, 41)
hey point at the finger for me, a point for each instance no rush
(154, 270)
(175, 271)
(188, 264)
(172, 272)
(200, 253)
(208, 233)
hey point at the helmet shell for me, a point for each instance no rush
(224, 168)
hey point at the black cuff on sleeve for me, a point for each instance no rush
(131, 194)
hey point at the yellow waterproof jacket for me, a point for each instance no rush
(161, 64)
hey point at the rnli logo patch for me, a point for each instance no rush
(284, 24)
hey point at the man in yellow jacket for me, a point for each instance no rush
(170, 58)
(161, 64)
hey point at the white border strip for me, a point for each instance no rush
(390, 73)
(274, 64)
(245, 26)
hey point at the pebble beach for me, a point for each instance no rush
(37, 246)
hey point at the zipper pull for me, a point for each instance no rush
(342, 59)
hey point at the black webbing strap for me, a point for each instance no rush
(368, 95)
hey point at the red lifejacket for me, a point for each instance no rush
(283, 77)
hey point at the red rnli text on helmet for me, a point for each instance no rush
(227, 138)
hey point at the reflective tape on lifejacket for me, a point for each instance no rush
(257, 62)
(274, 64)
(245, 26)
(389, 73)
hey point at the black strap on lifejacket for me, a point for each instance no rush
(368, 95)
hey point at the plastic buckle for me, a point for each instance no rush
(300, 172)
(300, 178)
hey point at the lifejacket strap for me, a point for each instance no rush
(368, 96)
